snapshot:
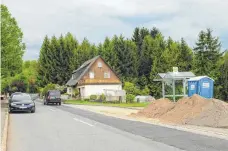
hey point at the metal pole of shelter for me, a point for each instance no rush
(184, 87)
(174, 90)
(163, 89)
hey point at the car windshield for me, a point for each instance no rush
(16, 93)
(21, 98)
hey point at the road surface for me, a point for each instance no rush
(62, 128)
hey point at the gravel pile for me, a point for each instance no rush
(215, 115)
(157, 108)
(193, 110)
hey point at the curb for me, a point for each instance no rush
(133, 108)
(5, 133)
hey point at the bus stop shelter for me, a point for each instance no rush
(170, 78)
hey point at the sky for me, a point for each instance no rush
(97, 19)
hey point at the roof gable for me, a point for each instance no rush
(82, 70)
(87, 63)
(111, 69)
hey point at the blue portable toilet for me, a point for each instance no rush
(201, 85)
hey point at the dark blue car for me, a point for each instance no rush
(21, 102)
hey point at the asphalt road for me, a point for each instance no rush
(61, 128)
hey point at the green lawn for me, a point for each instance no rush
(82, 102)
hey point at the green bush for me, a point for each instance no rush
(14, 89)
(131, 88)
(48, 87)
(145, 91)
(75, 92)
(102, 98)
(130, 98)
(87, 100)
(93, 97)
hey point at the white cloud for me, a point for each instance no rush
(96, 19)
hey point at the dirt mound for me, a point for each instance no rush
(185, 109)
(194, 110)
(157, 108)
(215, 115)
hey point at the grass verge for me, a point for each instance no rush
(82, 102)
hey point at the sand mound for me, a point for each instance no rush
(194, 110)
(157, 108)
(215, 115)
(186, 109)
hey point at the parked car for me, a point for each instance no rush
(52, 96)
(21, 102)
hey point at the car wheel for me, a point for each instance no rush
(59, 103)
(33, 110)
(10, 111)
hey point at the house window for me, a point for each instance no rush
(69, 90)
(99, 65)
(91, 75)
(106, 74)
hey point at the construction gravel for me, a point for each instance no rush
(194, 110)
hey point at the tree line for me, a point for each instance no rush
(137, 60)
(16, 74)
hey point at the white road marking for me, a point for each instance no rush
(83, 122)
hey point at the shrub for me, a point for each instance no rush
(131, 88)
(130, 98)
(102, 98)
(86, 100)
(48, 87)
(145, 91)
(14, 89)
(93, 97)
(75, 92)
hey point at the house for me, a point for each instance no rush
(94, 77)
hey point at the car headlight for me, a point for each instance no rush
(32, 104)
(13, 104)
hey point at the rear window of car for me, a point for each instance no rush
(54, 93)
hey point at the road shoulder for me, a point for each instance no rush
(5, 133)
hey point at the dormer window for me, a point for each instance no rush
(99, 65)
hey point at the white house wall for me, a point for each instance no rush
(98, 89)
